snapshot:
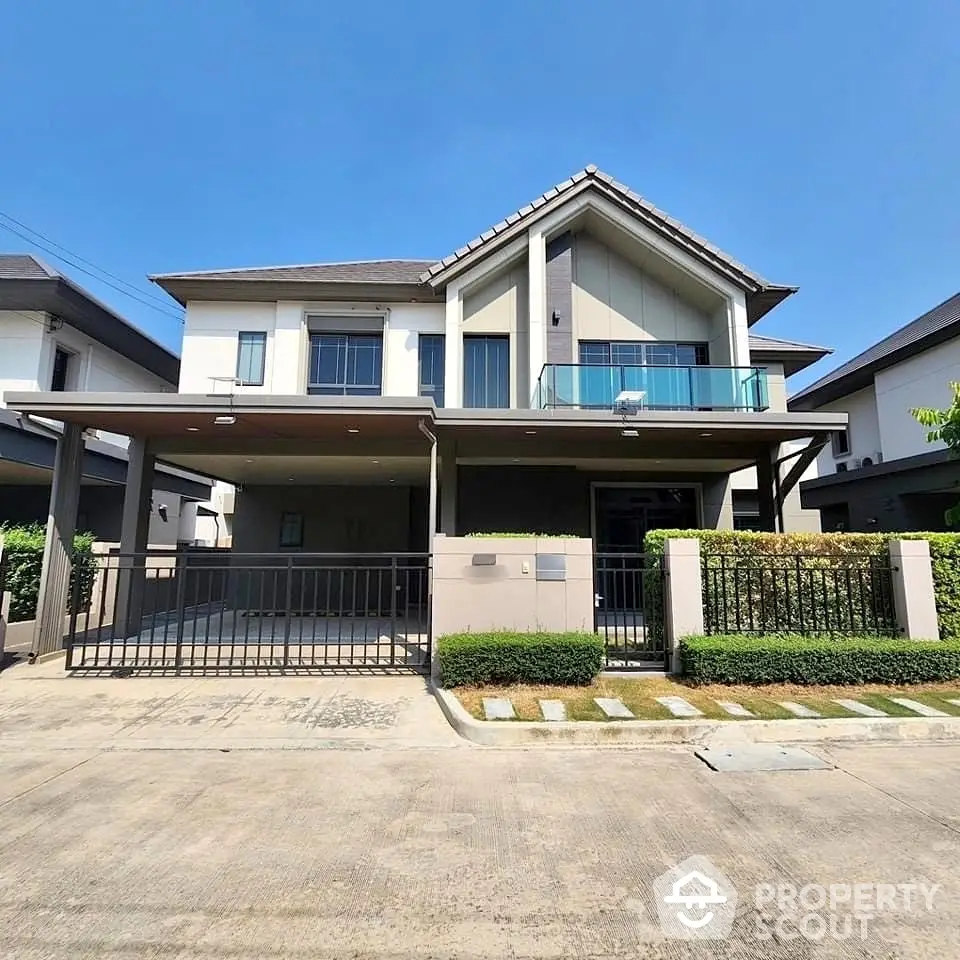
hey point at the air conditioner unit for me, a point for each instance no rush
(878, 457)
(843, 467)
(629, 400)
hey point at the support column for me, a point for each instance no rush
(448, 488)
(58, 547)
(537, 310)
(453, 349)
(134, 528)
(682, 596)
(914, 599)
(766, 496)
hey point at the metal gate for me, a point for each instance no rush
(628, 609)
(218, 611)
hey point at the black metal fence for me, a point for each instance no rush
(798, 594)
(628, 608)
(187, 612)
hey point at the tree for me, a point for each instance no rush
(944, 425)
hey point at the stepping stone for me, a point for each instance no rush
(799, 710)
(734, 709)
(956, 703)
(496, 709)
(918, 707)
(553, 710)
(679, 707)
(864, 709)
(614, 707)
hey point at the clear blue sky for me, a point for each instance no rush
(817, 141)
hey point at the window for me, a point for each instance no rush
(291, 529)
(346, 364)
(486, 372)
(841, 443)
(251, 358)
(432, 367)
(654, 353)
(61, 367)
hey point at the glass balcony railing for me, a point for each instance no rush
(616, 387)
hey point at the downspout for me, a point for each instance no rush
(432, 508)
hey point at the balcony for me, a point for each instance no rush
(619, 387)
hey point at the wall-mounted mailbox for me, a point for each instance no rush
(484, 560)
(551, 566)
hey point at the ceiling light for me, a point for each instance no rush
(353, 429)
(706, 434)
(392, 480)
(225, 421)
(290, 478)
(530, 433)
(629, 433)
(515, 460)
(249, 461)
(193, 429)
(374, 461)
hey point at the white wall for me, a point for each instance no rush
(921, 381)
(21, 345)
(401, 359)
(863, 430)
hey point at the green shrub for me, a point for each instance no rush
(820, 597)
(23, 561)
(790, 658)
(506, 657)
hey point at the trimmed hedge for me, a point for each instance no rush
(23, 560)
(790, 658)
(506, 657)
(751, 547)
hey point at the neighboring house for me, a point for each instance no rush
(585, 366)
(54, 336)
(881, 473)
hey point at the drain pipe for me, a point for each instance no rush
(432, 509)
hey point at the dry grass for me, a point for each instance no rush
(639, 694)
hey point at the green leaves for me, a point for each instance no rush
(473, 659)
(944, 426)
(789, 658)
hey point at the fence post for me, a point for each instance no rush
(913, 593)
(682, 595)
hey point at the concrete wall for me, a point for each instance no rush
(21, 338)
(863, 430)
(506, 594)
(615, 300)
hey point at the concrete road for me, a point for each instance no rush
(367, 843)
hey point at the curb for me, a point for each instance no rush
(502, 733)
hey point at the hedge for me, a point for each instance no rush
(744, 548)
(507, 657)
(23, 560)
(791, 658)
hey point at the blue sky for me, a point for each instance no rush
(817, 142)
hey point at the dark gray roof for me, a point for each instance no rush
(27, 283)
(350, 271)
(794, 355)
(765, 295)
(936, 326)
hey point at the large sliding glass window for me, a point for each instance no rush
(432, 366)
(486, 372)
(654, 353)
(346, 364)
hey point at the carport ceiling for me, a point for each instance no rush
(282, 470)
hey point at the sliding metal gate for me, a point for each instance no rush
(220, 612)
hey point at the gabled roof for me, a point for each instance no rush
(794, 355)
(347, 271)
(762, 296)
(936, 326)
(27, 283)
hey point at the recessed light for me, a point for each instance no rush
(353, 429)
(291, 478)
(530, 433)
(706, 434)
(225, 421)
(193, 429)
(374, 461)
(515, 460)
(249, 461)
(392, 480)
(629, 433)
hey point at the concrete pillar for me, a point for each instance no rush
(448, 487)
(58, 548)
(766, 496)
(913, 592)
(682, 595)
(537, 310)
(134, 527)
(453, 349)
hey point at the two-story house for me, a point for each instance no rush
(880, 473)
(55, 336)
(585, 367)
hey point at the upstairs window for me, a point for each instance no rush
(61, 371)
(346, 364)
(251, 358)
(432, 367)
(486, 372)
(841, 443)
(653, 353)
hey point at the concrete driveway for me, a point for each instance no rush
(391, 838)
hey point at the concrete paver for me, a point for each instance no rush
(799, 709)
(924, 709)
(614, 707)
